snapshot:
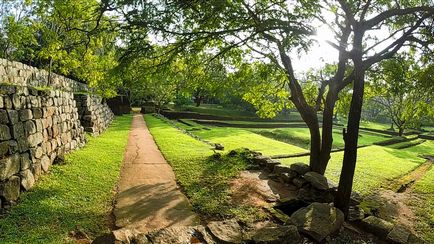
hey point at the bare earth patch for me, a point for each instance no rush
(255, 188)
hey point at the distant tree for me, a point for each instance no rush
(403, 94)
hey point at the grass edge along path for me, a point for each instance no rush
(75, 196)
(205, 180)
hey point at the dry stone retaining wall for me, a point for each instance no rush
(94, 113)
(39, 123)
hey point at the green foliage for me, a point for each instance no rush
(74, 196)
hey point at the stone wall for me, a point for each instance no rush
(23, 75)
(94, 113)
(39, 123)
(35, 127)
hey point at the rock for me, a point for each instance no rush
(318, 220)
(228, 231)
(270, 164)
(10, 189)
(316, 180)
(355, 198)
(123, 236)
(280, 169)
(45, 163)
(288, 177)
(413, 239)
(300, 168)
(9, 166)
(299, 182)
(219, 147)
(5, 133)
(4, 119)
(276, 235)
(289, 206)
(377, 226)
(355, 213)
(261, 160)
(27, 179)
(310, 194)
(399, 235)
(180, 234)
(13, 116)
(25, 114)
(4, 148)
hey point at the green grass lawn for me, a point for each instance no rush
(232, 138)
(218, 110)
(74, 196)
(424, 206)
(301, 137)
(376, 165)
(204, 179)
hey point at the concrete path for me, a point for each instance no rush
(148, 197)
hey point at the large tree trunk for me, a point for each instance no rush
(401, 130)
(343, 195)
(327, 131)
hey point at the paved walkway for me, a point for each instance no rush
(148, 197)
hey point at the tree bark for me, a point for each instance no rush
(343, 195)
(401, 131)
(327, 131)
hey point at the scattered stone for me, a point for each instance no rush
(219, 147)
(399, 235)
(300, 168)
(318, 220)
(276, 235)
(377, 226)
(355, 213)
(316, 180)
(299, 182)
(228, 231)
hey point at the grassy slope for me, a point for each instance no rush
(425, 189)
(76, 195)
(233, 138)
(375, 165)
(204, 180)
(301, 137)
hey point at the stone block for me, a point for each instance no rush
(27, 179)
(9, 166)
(45, 163)
(10, 189)
(4, 118)
(25, 114)
(18, 130)
(30, 127)
(25, 161)
(13, 116)
(5, 133)
(35, 139)
(37, 113)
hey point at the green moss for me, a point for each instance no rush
(76, 195)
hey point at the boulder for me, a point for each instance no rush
(228, 231)
(276, 235)
(27, 179)
(300, 168)
(316, 180)
(10, 189)
(398, 235)
(280, 169)
(377, 226)
(318, 220)
(178, 234)
(299, 182)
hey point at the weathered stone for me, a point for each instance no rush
(35, 139)
(23, 144)
(279, 169)
(300, 168)
(27, 179)
(413, 239)
(219, 146)
(318, 220)
(37, 152)
(290, 205)
(13, 147)
(270, 164)
(5, 133)
(311, 194)
(377, 226)
(4, 119)
(30, 127)
(25, 114)
(45, 163)
(10, 189)
(276, 235)
(25, 161)
(13, 116)
(288, 177)
(9, 166)
(316, 180)
(4, 148)
(228, 231)
(36, 168)
(180, 234)
(18, 130)
(37, 113)
(299, 182)
(355, 213)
